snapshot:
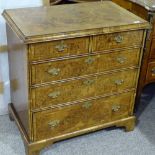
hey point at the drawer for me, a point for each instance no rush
(63, 69)
(152, 52)
(117, 40)
(150, 77)
(83, 88)
(68, 119)
(61, 48)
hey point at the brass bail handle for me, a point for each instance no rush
(116, 108)
(119, 39)
(87, 105)
(54, 71)
(119, 82)
(54, 94)
(61, 47)
(121, 60)
(54, 124)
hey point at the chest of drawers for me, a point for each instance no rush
(74, 74)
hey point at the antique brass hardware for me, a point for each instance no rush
(54, 94)
(119, 82)
(54, 71)
(89, 60)
(61, 47)
(153, 70)
(54, 124)
(121, 60)
(87, 105)
(119, 39)
(116, 108)
(89, 82)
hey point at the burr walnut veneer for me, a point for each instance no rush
(146, 10)
(73, 74)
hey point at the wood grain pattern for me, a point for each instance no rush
(77, 20)
(81, 66)
(125, 4)
(77, 117)
(61, 48)
(117, 40)
(90, 86)
(18, 76)
(145, 10)
(83, 88)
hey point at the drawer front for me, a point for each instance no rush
(54, 49)
(63, 69)
(117, 40)
(151, 72)
(83, 88)
(68, 119)
(152, 53)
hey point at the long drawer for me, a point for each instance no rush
(60, 48)
(74, 90)
(56, 122)
(117, 40)
(63, 69)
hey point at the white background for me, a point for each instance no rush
(4, 77)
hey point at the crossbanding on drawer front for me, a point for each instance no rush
(83, 88)
(68, 119)
(60, 48)
(117, 40)
(63, 69)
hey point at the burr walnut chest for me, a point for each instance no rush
(73, 69)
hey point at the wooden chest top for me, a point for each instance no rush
(69, 21)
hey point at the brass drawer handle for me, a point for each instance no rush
(54, 94)
(87, 105)
(54, 124)
(119, 82)
(153, 70)
(61, 47)
(116, 108)
(89, 82)
(89, 60)
(119, 39)
(54, 71)
(121, 60)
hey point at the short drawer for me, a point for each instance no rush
(152, 52)
(68, 68)
(68, 119)
(150, 77)
(60, 48)
(74, 90)
(117, 40)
